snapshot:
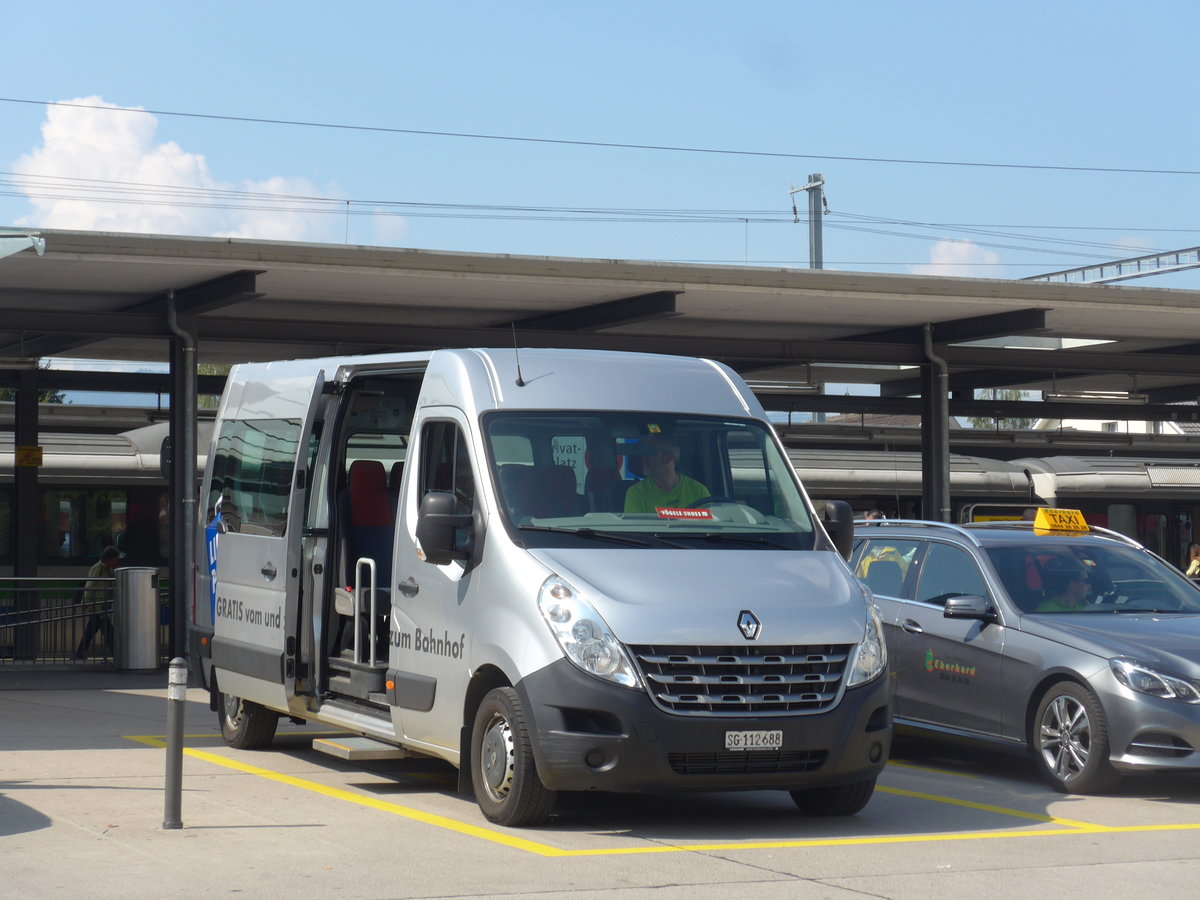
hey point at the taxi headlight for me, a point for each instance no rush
(1141, 678)
(583, 635)
(870, 656)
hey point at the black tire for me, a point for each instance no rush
(1069, 740)
(503, 773)
(246, 725)
(838, 800)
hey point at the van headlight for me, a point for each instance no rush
(870, 656)
(1141, 678)
(584, 637)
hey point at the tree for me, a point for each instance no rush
(998, 423)
(10, 395)
(210, 401)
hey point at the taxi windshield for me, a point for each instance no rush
(621, 479)
(1091, 577)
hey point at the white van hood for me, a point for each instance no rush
(686, 597)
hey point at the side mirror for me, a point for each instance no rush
(968, 607)
(839, 523)
(437, 523)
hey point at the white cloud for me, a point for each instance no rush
(99, 170)
(960, 258)
(388, 230)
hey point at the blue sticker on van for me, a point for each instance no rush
(211, 530)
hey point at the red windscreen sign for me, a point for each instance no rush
(678, 512)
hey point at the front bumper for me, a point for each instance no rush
(591, 735)
(1148, 733)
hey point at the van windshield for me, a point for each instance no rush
(657, 479)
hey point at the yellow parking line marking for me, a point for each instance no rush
(987, 807)
(897, 764)
(362, 800)
(1068, 826)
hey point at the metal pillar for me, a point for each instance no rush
(816, 203)
(28, 530)
(816, 200)
(935, 435)
(183, 477)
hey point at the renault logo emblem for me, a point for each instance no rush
(749, 625)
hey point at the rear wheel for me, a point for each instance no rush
(838, 800)
(244, 724)
(1070, 741)
(507, 786)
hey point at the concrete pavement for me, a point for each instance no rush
(82, 802)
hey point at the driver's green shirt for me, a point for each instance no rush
(1055, 605)
(646, 496)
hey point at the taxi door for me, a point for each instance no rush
(948, 670)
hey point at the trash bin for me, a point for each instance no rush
(135, 618)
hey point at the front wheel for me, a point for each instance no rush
(506, 782)
(1070, 741)
(246, 725)
(838, 800)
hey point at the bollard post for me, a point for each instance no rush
(176, 697)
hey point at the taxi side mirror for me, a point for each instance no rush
(839, 523)
(969, 607)
(439, 528)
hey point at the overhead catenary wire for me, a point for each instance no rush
(612, 145)
(46, 187)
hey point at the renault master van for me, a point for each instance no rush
(557, 570)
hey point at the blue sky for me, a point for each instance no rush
(1059, 84)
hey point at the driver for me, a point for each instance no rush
(662, 486)
(1066, 583)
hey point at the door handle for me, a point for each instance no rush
(409, 587)
(269, 571)
(912, 627)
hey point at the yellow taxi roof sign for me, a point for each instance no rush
(1049, 519)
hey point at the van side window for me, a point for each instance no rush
(446, 465)
(252, 474)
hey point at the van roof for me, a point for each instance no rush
(487, 379)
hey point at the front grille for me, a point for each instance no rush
(1159, 746)
(744, 681)
(753, 762)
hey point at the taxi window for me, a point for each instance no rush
(883, 565)
(947, 572)
(1118, 579)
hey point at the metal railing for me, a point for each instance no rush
(49, 621)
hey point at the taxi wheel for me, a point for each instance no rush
(506, 782)
(1070, 741)
(246, 725)
(839, 800)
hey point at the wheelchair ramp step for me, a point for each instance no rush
(357, 748)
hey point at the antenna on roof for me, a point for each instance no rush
(517, 354)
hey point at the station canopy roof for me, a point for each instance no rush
(100, 295)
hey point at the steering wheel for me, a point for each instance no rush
(708, 501)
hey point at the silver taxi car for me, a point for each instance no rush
(1073, 642)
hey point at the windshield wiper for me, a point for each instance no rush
(1153, 610)
(720, 538)
(591, 533)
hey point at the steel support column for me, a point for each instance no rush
(28, 531)
(935, 435)
(176, 479)
(183, 476)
